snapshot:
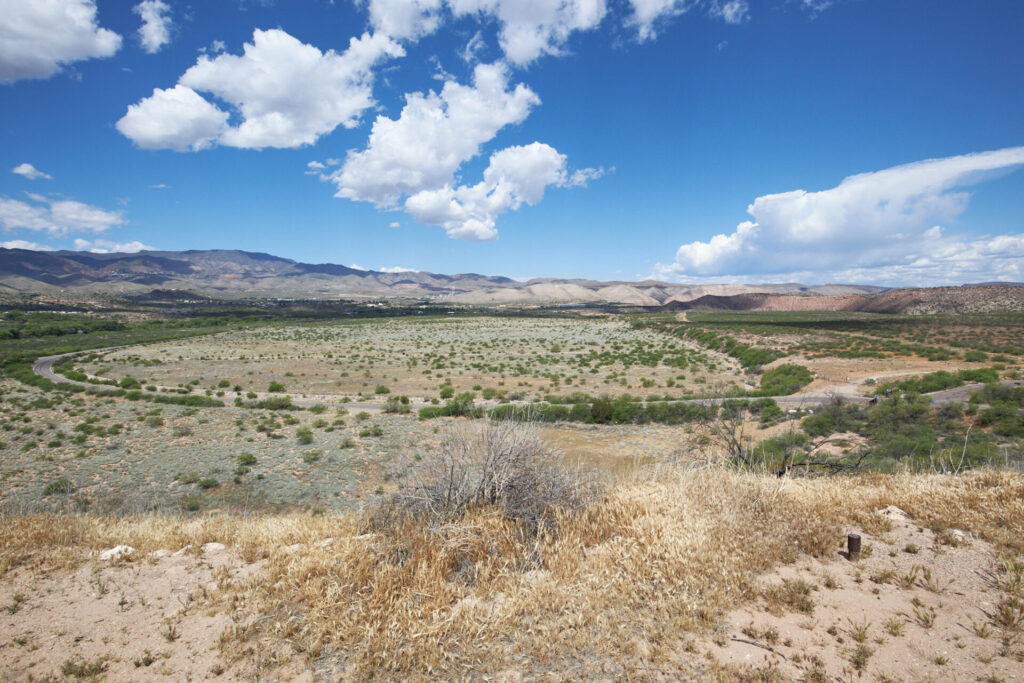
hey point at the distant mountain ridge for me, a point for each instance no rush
(234, 274)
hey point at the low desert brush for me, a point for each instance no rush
(469, 582)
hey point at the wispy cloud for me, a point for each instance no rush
(100, 246)
(31, 172)
(22, 244)
(58, 217)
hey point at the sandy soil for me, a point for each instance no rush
(912, 609)
(126, 618)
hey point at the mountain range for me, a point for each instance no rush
(235, 275)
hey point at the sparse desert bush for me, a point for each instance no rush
(276, 403)
(60, 486)
(655, 556)
(498, 464)
(397, 405)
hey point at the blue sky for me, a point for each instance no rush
(874, 141)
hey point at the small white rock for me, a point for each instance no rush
(213, 547)
(117, 552)
(894, 513)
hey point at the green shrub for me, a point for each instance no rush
(247, 459)
(397, 405)
(835, 417)
(983, 375)
(59, 487)
(785, 380)
(304, 435)
(275, 387)
(602, 411)
(276, 403)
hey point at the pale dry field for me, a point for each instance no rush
(415, 357)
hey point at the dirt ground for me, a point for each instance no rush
(127, 618)
(914, 608)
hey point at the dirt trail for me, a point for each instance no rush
(848, 391)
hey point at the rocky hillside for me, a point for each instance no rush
(988, 298)
(232, 274)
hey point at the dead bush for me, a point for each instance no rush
(505, 465)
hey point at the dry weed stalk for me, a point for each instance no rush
(618, 580)
(504, 464)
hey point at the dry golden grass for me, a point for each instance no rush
(612, 588)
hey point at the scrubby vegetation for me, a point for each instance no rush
(402, 485)
(480, 591)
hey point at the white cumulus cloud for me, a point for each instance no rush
(285, 92)
(101, 246)
(515, 176)
(155, 31)
(884, 222)
(58, 217)
(526, 30)
(405, 19)
(535, 28)
(39, 37)
(433, 136)
(31, 172)
(177, 118)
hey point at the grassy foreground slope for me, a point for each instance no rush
(619, 587)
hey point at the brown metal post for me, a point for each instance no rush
(853, 547)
